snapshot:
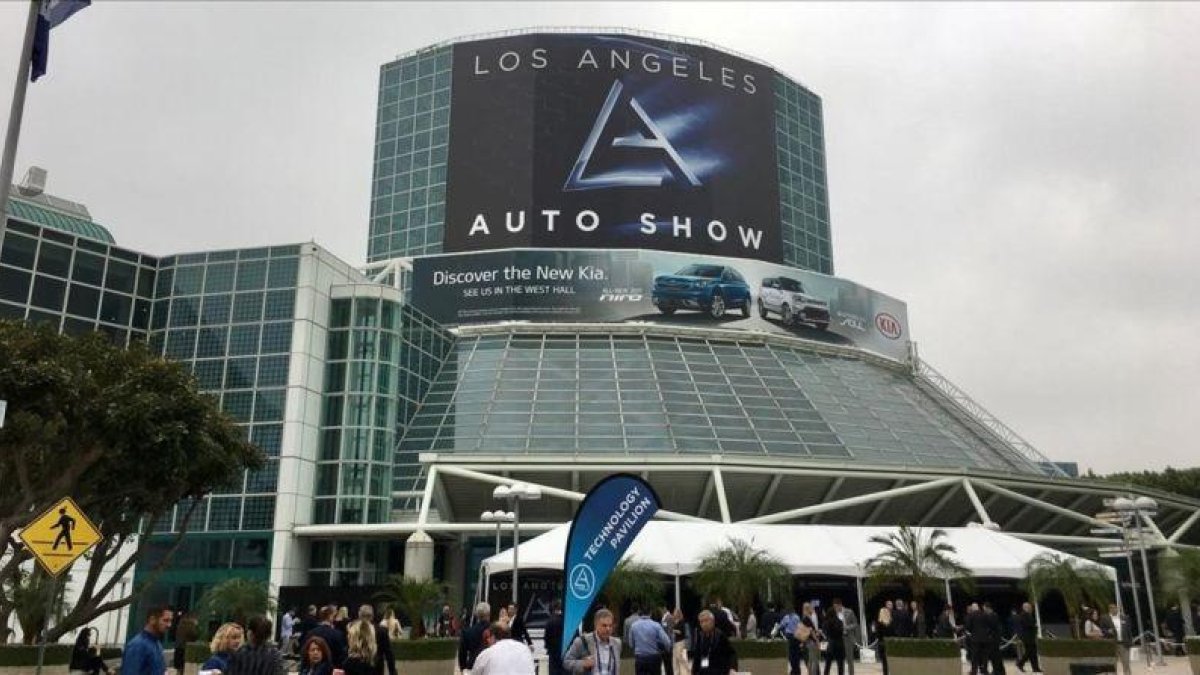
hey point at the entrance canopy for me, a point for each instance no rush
(676, 548)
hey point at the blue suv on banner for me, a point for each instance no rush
(714, 289)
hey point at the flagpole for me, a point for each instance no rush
(18, 109)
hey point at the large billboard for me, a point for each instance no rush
(611, 141)
(657, 287)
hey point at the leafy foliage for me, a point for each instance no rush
(235, 599)
(1179, 573)
(1184, 482)
(122, 431)
(433, 649)
(1078, 649)
(35, 598)
(633, 582)
(1078, 585)
(738, 573)
(924, 648)
(918, 557)
(412, 598)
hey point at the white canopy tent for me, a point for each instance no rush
(676, 548)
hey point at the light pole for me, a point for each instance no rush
(514, 495)
(498, 517)
(1136, 509)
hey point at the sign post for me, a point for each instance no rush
(57, 538)
(3, 409)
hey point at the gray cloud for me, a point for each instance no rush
(1024, 175)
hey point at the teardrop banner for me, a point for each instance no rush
(610, 517)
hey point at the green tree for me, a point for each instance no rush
(633, 582)
(1078, 584)
(1179, 575)
(1184, 482)
(36, 597)
(235, 599)
(918, 557)
(412, 598)
(124, 432)
(738, 573)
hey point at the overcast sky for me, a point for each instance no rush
(1025, 176)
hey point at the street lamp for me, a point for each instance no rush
(1135, 510)
(514, 495)
(498, 517)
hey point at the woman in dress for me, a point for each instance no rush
(392, 625)
(883, 630)
(1091, 627)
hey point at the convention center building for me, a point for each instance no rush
(588, 253)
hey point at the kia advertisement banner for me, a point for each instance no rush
(611, 141)
(609, 519)
(657, 287)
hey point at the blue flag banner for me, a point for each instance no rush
(611, 515)
(50, 14)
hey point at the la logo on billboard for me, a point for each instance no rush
(649, 137)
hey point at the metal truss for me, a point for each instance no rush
(983, 495)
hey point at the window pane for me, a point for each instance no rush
(18, 250)
(121, 276)
(14, 284)
(48, 293)
(88, 268)
(116, 308)
(54, 259)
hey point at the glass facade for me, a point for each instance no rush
(592, 393)
(411, 140)
(803, 187)
(382, 357)
(412, 132)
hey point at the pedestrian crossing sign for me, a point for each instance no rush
(59, 536)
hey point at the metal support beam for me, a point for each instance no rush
(1073, 506)
(706, 496)
(1183, 527)
(722, 498)
(575, 481)
(979, 510)
(829, 494)
(445, 510)
(850, 501)
(548, 490)
(883, 504)
(1063, 539)
(940, 504)
(764, 504)
(427, 496)
(1024, 510)
(1054, 508)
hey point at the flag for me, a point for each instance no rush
(611, 515)
(51, 13)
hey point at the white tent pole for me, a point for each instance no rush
(862, 611)
(676, 585)
(949, 597)
(1037, 610)
(487, 585)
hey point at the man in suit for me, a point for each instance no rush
(981, 636)
(516, 626)
(597, 653)
(902, 625)
(850, 627)
(332, 636)
(554, 637)
(1115, 626)
(471, 642)
(711, 652)
(996, 632)
(1026, 630)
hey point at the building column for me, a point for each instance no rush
(418, 556)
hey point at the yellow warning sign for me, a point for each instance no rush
(59, 536)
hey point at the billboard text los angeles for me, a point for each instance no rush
(611, 141)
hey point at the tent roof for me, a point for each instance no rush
(676, 548)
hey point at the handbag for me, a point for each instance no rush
(803, 632)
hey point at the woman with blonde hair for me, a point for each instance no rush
(883, 630)
(391, 624)
(361, 648)
(227, 640)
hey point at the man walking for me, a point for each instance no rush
(1115, 626)
(849, 630)
(553, 638)
(144, 653)
(1026, 630)
(712, 654)
(471, 643)
(597, 653)
(503, 655)
(649, 642)
(787, 626)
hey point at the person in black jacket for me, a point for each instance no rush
(835, 635)
(84, 657)
(1026, 630)
(554, 639)
(259, 657)
(471, 642)
(332, 636)
(384, 659)
(516, 626)
(711, 652)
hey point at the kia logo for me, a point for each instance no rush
(888, 326)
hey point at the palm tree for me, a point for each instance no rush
(738, 573)
(632, 582)
(1179, 575)
(1078, 584)
(235, 599)
(36, 599)
(413, 598)
(918, 557)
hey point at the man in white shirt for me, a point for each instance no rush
(503, 655)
